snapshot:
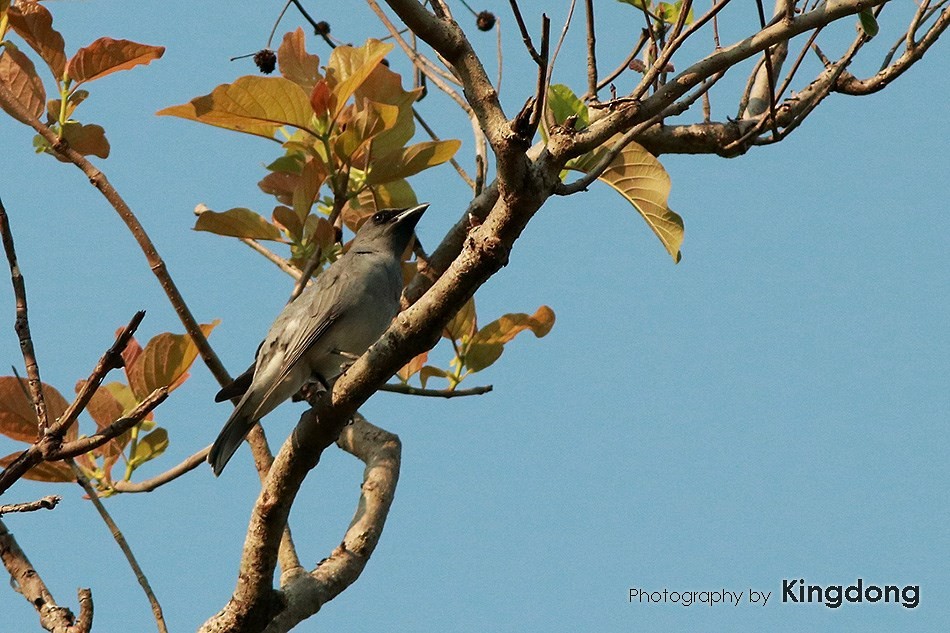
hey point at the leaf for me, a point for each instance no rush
(19, 76)
(164, 362)
(295, 63)
(72, 102)
(396, 194)
(640, 178)
(488, 343)
(384, 86)
(670, 13)
(308, 186)
(564, 103)
(54, 472)
(238, 222)
(464, 324)
(868, 22)
(403, 163)
(253, 105)
(412, 367)
(131, 352)
(349, 67)
(149, 447)
(429, 371)
(88, 140)
(17, 415)
(105, 409)
(286, 218)
(640, 4)
(106, 56)
(34, 23)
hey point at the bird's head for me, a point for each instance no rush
(389, 230)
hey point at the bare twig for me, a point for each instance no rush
(27, 582)
(272, 257)
(435, 137)
(123, 545)
(603, 83)
(46, 503)
(22, 326)
(525, 36)
(591, 50)
(171, 474)
(435, 393)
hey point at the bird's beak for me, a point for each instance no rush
(412, 214)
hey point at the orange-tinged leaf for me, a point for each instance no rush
(320, 98)
(281, 185)
(464, 324)
(431, 372)
(286, 218)
(17, 415)
(238, 222)
(44, 471)
(640, 178)
(131, 352)
(488, 343)
(106, 56)
(308, 186)
(403, 163)
(105, 409)
(34, 23)
(164, 362)
(254, 105)
(412, 367)
(349, 67)
(384, 86)
(396, 194)
(88, 140)
(19, 76)
(295, 63)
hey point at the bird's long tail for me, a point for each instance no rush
(230, 438)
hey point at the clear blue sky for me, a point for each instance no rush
(773, 407)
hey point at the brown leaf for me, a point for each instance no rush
(105, 409)
(320, 98)
(239, 222)
(34, 23)
(44, 471)
(19, 76)
(286, 218)
(164, 362)
(295, 63)
(106, 56)
(53, 105)
(88, 140)
(308, 186)
(17, 415)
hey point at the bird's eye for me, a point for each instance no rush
(379, 218)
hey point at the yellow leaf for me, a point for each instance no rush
(464, 324)
(106, 56)
(254, 105)
(34, 23)
(488, 343)
(403, 163)
(308, 186)
(396, 194)
(164, 362)
(239, 222)
(19, 76)
(149, 447)
(384, 86)
(295, 63)
(640, 178)
(349, 67)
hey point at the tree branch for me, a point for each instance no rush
(46, 503)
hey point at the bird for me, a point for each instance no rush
(332, 322)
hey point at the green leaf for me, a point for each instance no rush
(636, 3)
(868, 22)
(238, 222)
(403, 163)
(670, 13)
(253, 105)
(640, 178)
(149, 447)
(564, 103)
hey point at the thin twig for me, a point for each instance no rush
(123, 545)
(591, 50)
(22, 326)
(458, 168)
(270, 38)
(46, 503)
(525, 36)
(435, 393)
(171, 474)
(312, 262)
(603, 83)
(272, 257)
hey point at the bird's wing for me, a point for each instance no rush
(314, 317)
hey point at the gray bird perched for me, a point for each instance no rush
(334, 320)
